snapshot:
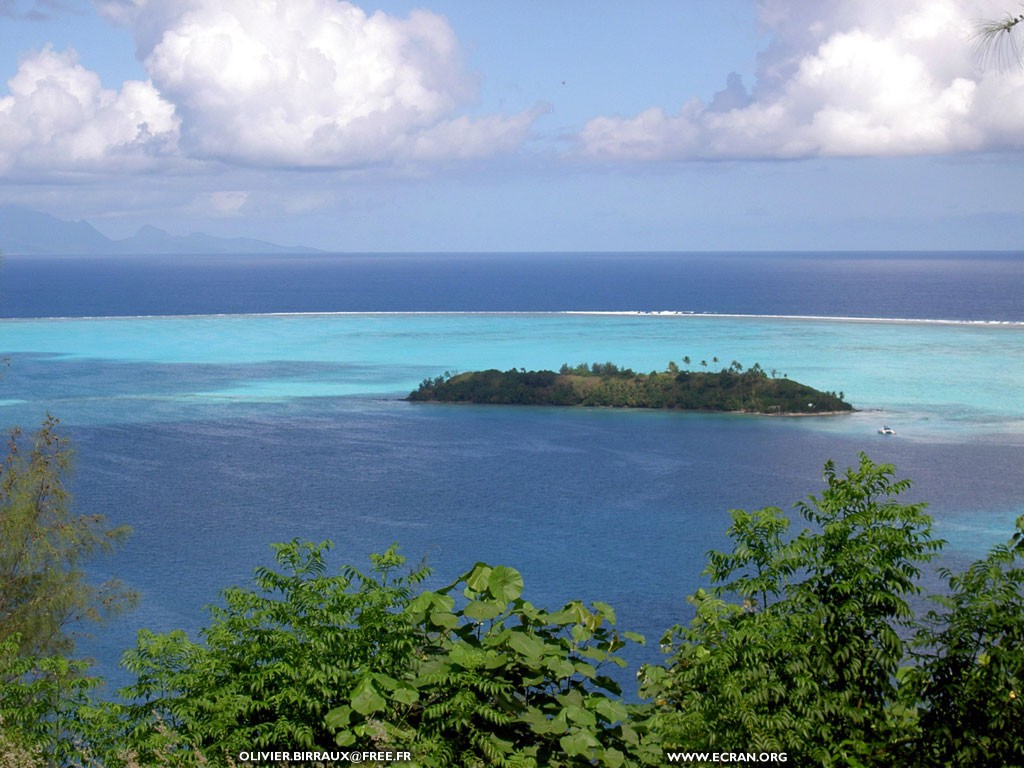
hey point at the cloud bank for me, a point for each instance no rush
(841, 78)
(321, 84)
(274, 83)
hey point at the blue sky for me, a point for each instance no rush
(558, 125)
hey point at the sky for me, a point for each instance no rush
(536, 125)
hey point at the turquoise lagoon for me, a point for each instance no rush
(934, 378)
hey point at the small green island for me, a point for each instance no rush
(733, 389)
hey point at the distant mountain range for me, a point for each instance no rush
(26, 232)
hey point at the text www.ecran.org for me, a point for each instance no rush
(726, 757)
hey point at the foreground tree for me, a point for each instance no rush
(969, 679)
(44, 594)
(997, 39)
(43, 546)
(498, 681)
(43, 703)
(276, 659)
(798, 646)
(468, 675)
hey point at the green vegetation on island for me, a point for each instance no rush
(733, 389)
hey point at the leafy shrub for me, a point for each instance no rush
(497, 681)
(969, 676)
(309, 660)
(798, 645)
(276, 658)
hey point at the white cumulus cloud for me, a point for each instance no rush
(58, 116)
(312, 83)
(850, 78)
(254, 83)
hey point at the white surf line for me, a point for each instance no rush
(812, 318)
(534, 313)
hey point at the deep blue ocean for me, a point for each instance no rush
(218, 404)
(956, 285)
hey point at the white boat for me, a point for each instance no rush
(886, 430)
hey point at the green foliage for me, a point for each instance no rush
(969, 679)
(497, 387)
(43, 545)
(470, 674)
(45, 710)
(605, 384)
(596, 369)
(275, 660)
(498, 681)
(759, 564)
(42, 704)
(810, 668)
